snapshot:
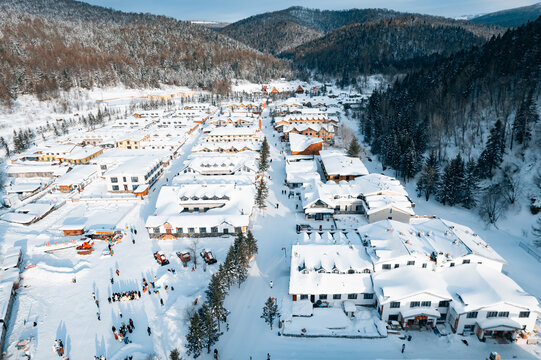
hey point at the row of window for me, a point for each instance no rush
(413, 304)
(202, 230)
(412, 262)
(491, 314)
(339, 297)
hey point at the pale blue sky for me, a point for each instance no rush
(233, 10)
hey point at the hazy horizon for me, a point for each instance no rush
(234, 10)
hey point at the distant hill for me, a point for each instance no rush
(387, 46)
(512, 17)
(281, 31)
(49, 45)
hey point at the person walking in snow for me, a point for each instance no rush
(227, 326)
(148, 331)
(120, 313)
(117, 272)
(161, 301)
(109, 299)
(130, 321)
(98, 303)
(403, 348)
(271, 284)
(112, 281)
(98, 314)
(93, 295)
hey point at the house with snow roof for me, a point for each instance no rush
(375, 196)
(230, 133)
(337, 166)
(190, 210)
(131, 174)
(330, 275)
(304, 145)
(227, 147)
(221, 164)
(411, 296)
(427, 243)
(322, 131)
(488, 303)
(300, 171)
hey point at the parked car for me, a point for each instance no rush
(301, 227)
(208, 257)
(184, 256)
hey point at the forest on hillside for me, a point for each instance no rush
(63, 44)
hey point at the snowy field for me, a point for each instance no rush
(62, 308)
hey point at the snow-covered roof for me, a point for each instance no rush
(301, 171)
(134, 165)
(474, 287)
(298, 142)
(236, 145)
(54, 170)
(336, 162)
(233, 131)
(422, 238)
(301, 127)
(77, 175)
(82, 152)
(323, 269)
(407, 281)
(221, 163)
(27, 213)
(236, 203)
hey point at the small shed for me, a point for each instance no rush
(73, 229)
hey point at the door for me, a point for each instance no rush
(125, 187)
(312, 298)
(319, 216)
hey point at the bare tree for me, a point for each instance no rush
(493, 205)
(194, 249)
(511, 186)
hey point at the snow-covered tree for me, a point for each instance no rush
(251, 242)
(430, 177)
(270, 311)
(261, 195)
(209, 327)
(264, 157)
(354, 148)
(492, 155)
(194, 338)
(175, 355)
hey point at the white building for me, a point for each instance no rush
(331, 274)
(133, 172)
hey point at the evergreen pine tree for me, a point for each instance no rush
(270, 311)
(354, 148)
(526, 115)
(471, 185)
(492, 155)
(242, 257)
(209, 327)
(194, 338)
(251, 242)
(451, 188)
(261, 196)
(230, 268)
(264, 157)
(430, 177)
(174, 355)
(215, 294)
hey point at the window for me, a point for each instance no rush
(134, 179)
(466, 261)
(124, 179)
(414, 304)
(411, 262)
(179, 230)
(396, 265)
(352, 296)
(444, 303)
(395, 304)
(336, 297)
(472, 315)
(426, 303)
(451, 264)
(156, 230)
(134, 187)
(424, 266)
(323, 297)
(191, 230)
(214, 229)
(368, 296)
(524, 314)
(491, 314)
(304, 297)
(393, 317)
(114, 180)
(386, 267)
(103, 167)
(503, 314)
(203, 230)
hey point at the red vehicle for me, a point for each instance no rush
(160, 258)
(184, 256)
(208, 257)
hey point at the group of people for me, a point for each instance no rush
(58, 347)
(123, 331)
(125, 296)
(100, 358)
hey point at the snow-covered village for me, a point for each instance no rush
(285, 218)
